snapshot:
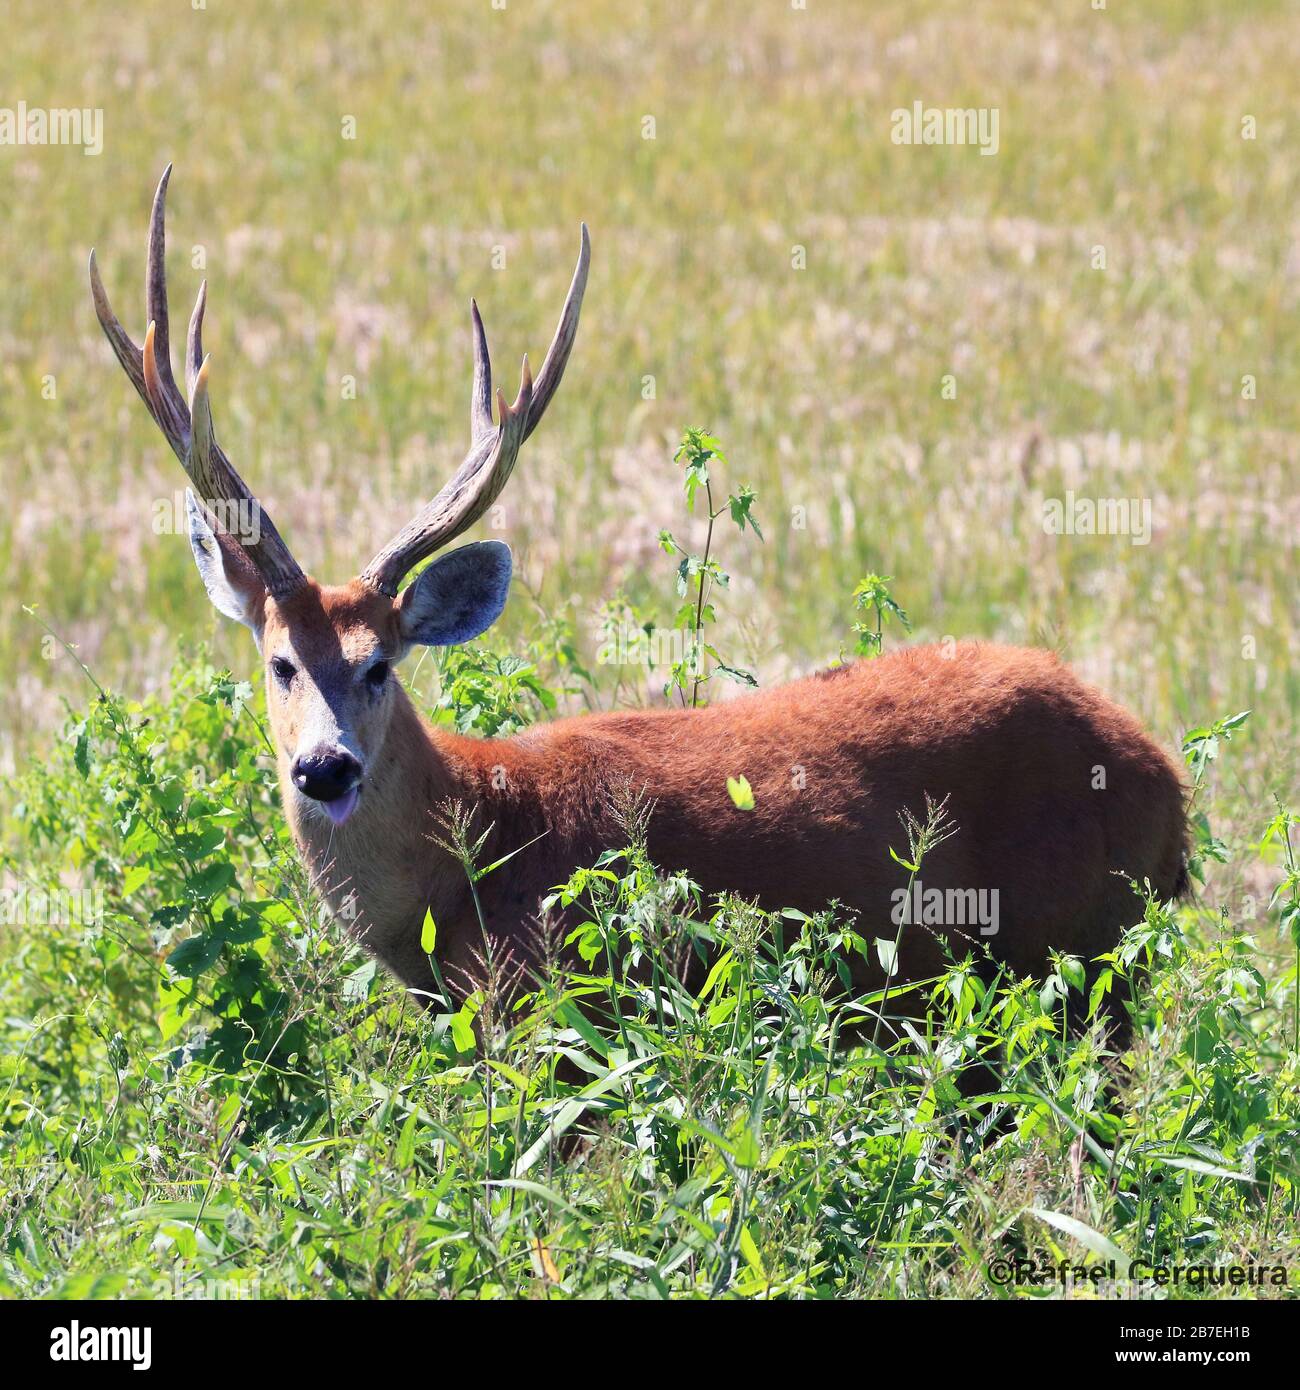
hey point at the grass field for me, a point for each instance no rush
(906, 351)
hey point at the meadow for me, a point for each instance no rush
(906, 352)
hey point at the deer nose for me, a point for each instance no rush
(326, 776)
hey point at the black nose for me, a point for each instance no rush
(326, 776)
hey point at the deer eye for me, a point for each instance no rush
(283, 670)
(377, 675)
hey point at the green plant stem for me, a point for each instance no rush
(699, 599)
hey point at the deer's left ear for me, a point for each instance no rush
(233, 585)
(457, 597)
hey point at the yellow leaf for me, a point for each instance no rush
(544, 1259)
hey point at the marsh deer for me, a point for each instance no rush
(1057, 794)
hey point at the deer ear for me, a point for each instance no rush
(233, 585)
(458, 596)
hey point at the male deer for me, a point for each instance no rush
(1058, 794)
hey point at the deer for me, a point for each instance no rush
(1061, 801)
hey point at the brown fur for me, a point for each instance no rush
(1010, 736)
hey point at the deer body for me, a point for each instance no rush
(1057, 795)
(1010, 737)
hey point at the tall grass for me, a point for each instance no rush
(210, 1092)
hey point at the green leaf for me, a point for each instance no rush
(81, 751)
(697, 475)
(357, 985)
(212, 879)
(1209, 1170)
(750, 1251)
(176, 1211)
(721, 967)
(741, 793)
(1085, 1235)
(172, 1004)
(406, 1141)
(745, 1150)
(201, 842)
(93, 1284)
(505, 858)
(572, 1109)
(462, 1028)
(1072, 972)
(516, 1078)
(588, 939)
(740, 504)
(195, 955)
(1100, 988)
(239, 928)
(578, 1021)
(428, 933)
(136, 875)
(887, 955)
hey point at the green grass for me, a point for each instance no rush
(329, 258)
(209, 1093)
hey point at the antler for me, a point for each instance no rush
(188, 429)
(493, 448)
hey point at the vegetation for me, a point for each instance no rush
(210, 1089)
(204, 1089)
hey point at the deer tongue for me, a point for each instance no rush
(342, 807)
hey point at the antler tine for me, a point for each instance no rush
(214, 476)
(169, 404)
(194, 341)
(480, 396)
(128, 355)
(492, 453)
(188, 429)
(473, 488)
(557, 355)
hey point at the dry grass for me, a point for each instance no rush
(479, 128)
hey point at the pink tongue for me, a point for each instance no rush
(342, 807)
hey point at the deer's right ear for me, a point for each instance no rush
(457, 597)
(233, 585)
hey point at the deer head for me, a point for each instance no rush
(329, 650)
